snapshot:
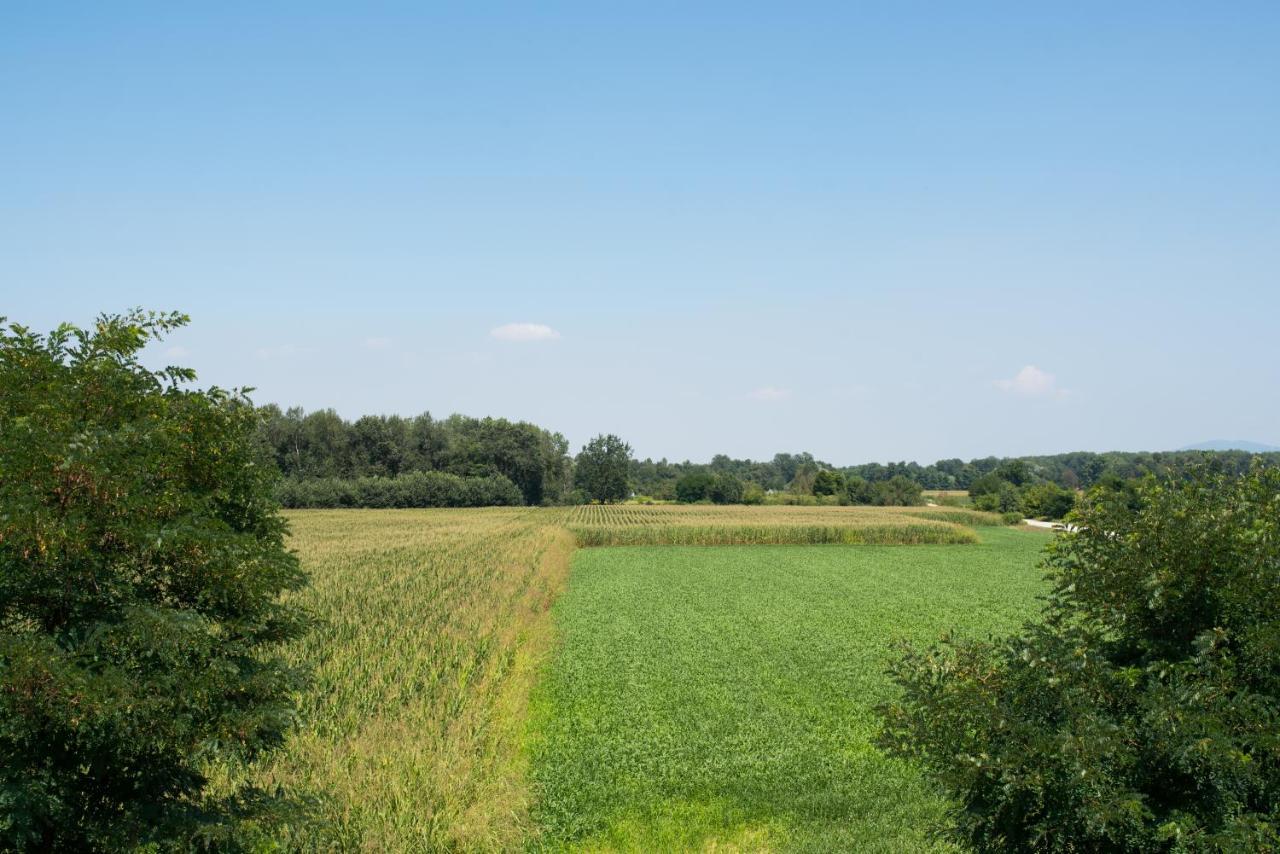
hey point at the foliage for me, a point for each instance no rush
(412, 489)
(693, 487)
(1047, 501)
(828, 482)
(601, 468)
(725, 489)
(320, 444)
(721, 698)
(141, 566)
(898, 491)
(1005, 499)
(1141, 713)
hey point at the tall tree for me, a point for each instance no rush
(601, 468)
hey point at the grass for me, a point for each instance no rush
(722, 699)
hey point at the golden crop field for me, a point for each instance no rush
(615, 525)
(432, 626)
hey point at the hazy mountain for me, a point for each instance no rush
(1231, 445)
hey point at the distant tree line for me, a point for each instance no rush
(330, 462)
(384, 460)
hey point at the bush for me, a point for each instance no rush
(141, 566)
(1005, 499)
(1013, 517)
(752, 493)
(1047, 501)
(1141, 713)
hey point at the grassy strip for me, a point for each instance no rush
(722, 699)
(931, 533)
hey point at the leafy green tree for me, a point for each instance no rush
(898, 491)
(859, 490)
(601, 468)
(142, 561)
(1006, 498)
(725, 489)
(693, 486)
(1141, 713)
(828, 482)
(1047, 501)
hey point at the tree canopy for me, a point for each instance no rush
(1140, 714)
(141, 566)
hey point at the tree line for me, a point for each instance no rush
(459, 461)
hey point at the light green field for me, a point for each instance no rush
(722, 698)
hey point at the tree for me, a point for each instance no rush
(693, 487)
(898, 491)
(141, 564)
(725, 489)
(828, 482)
(1047, 501)
(601, 468)
(1140, 713)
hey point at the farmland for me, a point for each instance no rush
(724, 697)
(436, 625)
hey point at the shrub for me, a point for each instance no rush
(1141, 713)
(141, 564)
(752, 493)
(1006, 499)
(1047, 501)
(1012, 517)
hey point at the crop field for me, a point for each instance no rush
(722, 699)
(667, 673)
(432, 623)
(630, 525)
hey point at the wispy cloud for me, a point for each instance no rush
(377, 343)
(524, 332)
(1032, 382)
(769, 394)
(177, 352)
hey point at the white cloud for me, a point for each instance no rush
(177, 352)
(377, 343)
(524, 332)
(1032, 382)
(769, 394)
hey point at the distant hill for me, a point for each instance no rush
(1231, 445)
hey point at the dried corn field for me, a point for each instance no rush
(432, 627)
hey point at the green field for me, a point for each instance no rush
(722, 698)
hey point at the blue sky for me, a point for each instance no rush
(872, 231)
